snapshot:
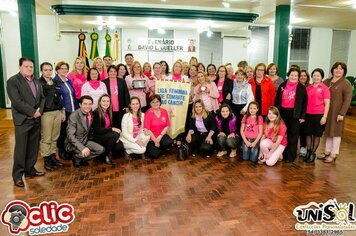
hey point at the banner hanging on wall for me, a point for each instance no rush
(94, 52)
(82, 51)
(175, 99)
(160, 44)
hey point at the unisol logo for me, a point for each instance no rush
(47, 218)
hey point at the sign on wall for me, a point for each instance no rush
(160, 44)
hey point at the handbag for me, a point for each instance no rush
(183, 152)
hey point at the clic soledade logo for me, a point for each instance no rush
(329, 217)
(47, 218)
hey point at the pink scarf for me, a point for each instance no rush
(94, 84)
(176, 77)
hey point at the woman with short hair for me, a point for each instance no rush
(263, 88)
(341, 95)
(272, 71)
(94, 87)
(70, 103)
(291, 100)
(157, 122)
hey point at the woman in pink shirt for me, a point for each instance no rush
(317, 112)
(78, 76)
(177, 73)
(207, 92)
(94, 87)
(157, 75)
(100, 66)
(147, 70)
(136, 74)
(157, 122)
(274, 140)
(291, 100)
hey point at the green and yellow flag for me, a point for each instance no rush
(94, 45)
(107, 48)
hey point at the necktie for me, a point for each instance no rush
(87, 120)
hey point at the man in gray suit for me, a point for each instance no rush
(27, 104)
(78, 134)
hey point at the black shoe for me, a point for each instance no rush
(35, 173)
(311, 158)
(63, 155)
(55, 162)
(127, 157)
(109, 161)
(84, 163)
(48, 165)
(307, 156)
(19, 183)
(143, 157)
(76, 162)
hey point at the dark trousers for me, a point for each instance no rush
(236, 109)
(154, 152)
(302, 136)
(27, 138)
(95, 150)
(108, 140)
(117, 118)
(63, 134)
(293, 128)
(198, 143)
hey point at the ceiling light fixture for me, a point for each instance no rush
(209, 33)
(226, 4)
(161, 31)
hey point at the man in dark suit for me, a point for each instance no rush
(78, 134)
(27, 104)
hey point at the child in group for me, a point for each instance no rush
(251, 132)
(274, 139)
(227, 135)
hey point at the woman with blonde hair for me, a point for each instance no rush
(207, 92)
(193, 61)
(185, 68)
(100, 66)
(136, 88)
(78, 76)
(177, 73)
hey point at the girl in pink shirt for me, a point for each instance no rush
(274, 138)
(251, 132)
(317, 112)
(78, 76)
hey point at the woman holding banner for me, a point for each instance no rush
(207, 92)
(157, 122)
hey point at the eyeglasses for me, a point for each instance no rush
(63, 68)
(154, 102)
(260, 70)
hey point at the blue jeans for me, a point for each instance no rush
(250, 153)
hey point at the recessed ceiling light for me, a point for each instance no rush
(226, 4)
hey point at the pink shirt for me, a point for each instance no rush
(316, 96)
(154, 123)
(288, 96)
(136, 128)
(220, 89)
(176, 77)
(199, 123)
(77, 80)
(107, 120)
(103, 75)
(281, 132)
(114, 95)
(140, 93)
(151, 83)
(251, 126)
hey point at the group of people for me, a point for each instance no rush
(114, 109)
